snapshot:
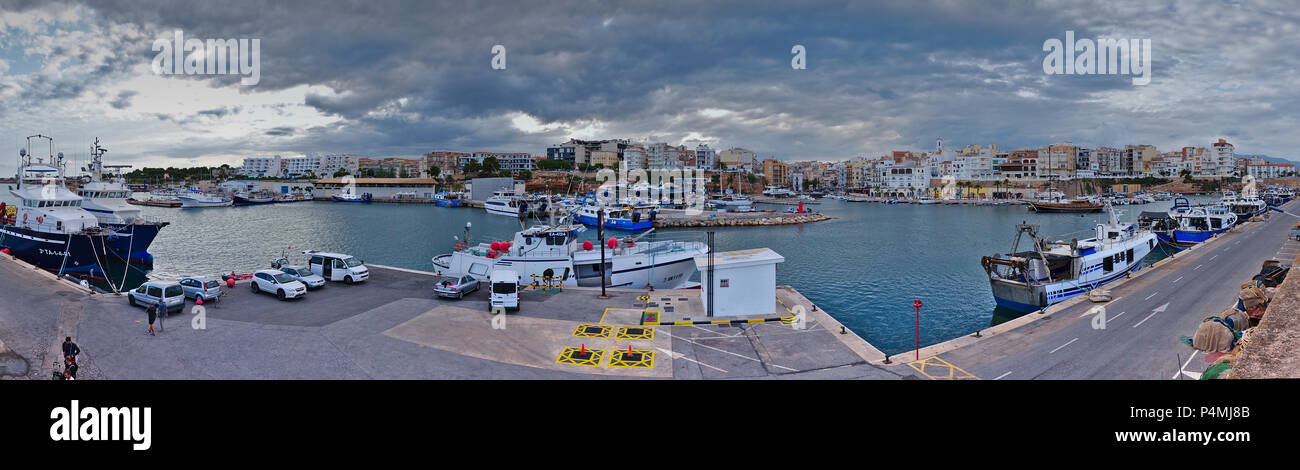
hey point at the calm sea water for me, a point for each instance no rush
(864, 267)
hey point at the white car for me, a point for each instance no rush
(304, 275)
(337, 267)
(505, 290)
(282, 285)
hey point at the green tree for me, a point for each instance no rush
(490, 166)
(472, 166)
(525, 175)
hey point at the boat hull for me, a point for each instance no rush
(191, 203)
(446, 202)
(1065, 208)
(47, 250)
(131, 242)
(251, 201)
(618, 224)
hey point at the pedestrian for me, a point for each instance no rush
(153, 315)
(70, 349)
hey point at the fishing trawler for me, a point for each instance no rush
(1245, 205)
(107, 200)
(193, 199)
(1051, 272)
(50, 229)
(553, 253)
(1195, 224)
(447, 199)
(613, 217)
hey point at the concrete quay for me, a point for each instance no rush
(393, 327)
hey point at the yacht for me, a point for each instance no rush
(553, 251)
(107, 200)
(1244, 205)
(1053, 271)
(50, 229)
(777, 191)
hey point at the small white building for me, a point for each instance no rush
(744, 282)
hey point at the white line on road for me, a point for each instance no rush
(1197, 267)
(1152, 295)
(683, 356)
(1179, 279)
(1144, 320)
(1001, 376)
(1116, 316)
(1212, 257)
(1189, 361)
(1058, 348)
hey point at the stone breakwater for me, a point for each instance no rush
(738, 221)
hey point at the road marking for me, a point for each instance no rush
(760, 361)
(1189, 361)
(1153, 313)
(677, 355)
(1067, 343)
(1152, 295)
(1197, 267)
(1212, 257)
(1116, 316)
(1179, 279)
(1003, 375)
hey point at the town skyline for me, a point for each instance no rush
(878, 79)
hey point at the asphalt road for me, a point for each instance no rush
(1143, 322)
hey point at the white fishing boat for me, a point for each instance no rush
(193, 199)
(553, 252)
(1051, 272)
(107, 200)
(505, 203)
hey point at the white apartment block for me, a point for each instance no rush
(322, 166)
(1225, 158)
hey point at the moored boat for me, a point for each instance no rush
(1069, 207)
(1051, 272)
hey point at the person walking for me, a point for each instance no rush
(153, 315)
(70, 349)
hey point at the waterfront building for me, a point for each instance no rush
(1270, 170)
(1224, 158)
(318, 165)
(1021, 165)
(705, 157)
(739, 282)
(509, 161)
(775, 171)
(909, 179)
(378, 188)
(396, 166)
(448, 163)
(579, 152)
(634, 158)
(604, 158)
(737, 158)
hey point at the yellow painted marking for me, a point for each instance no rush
(943, 370)
(647, 333)
(566, 357)
(619, 359)
(581, 331)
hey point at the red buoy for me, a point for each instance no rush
(586, 245)
(492, 253)
(613, 242)
(496, 245)
(505, 246)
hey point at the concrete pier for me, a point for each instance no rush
(393, 327)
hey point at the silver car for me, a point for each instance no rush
(304, 275)
(169, 294)
(455, 286)
(205, 288)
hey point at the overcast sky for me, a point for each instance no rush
(392, 78)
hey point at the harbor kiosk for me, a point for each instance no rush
(743, 283)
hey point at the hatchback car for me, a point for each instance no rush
(282, 285)
(304, 275)
(158, 292)
(201, 288)
(455, 286)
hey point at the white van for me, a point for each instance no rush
(337, 267)
(505, 290)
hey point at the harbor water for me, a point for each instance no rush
(865, 266)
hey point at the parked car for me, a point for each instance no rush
(304, 275)
(204, 287)
(455, 286)
(282, 285)
(337, 267)
(505, 290)
(160, 292)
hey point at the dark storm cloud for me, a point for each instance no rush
(123, 99)
(411, 76)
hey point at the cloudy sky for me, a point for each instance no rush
(395, 78)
